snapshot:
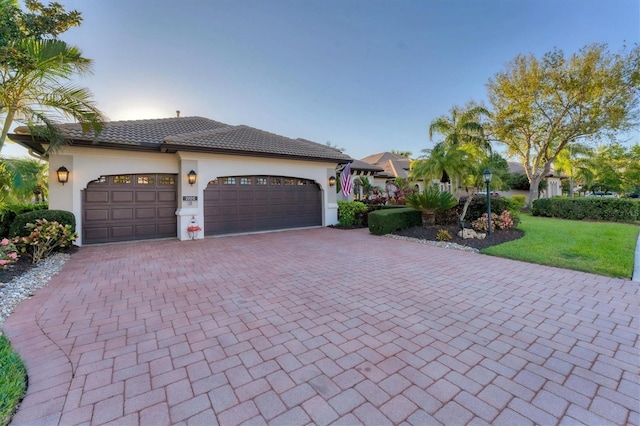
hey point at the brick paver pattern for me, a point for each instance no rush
(325, 326)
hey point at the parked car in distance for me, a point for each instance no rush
(603, 194)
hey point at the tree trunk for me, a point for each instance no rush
(465, 208)
(428, 219)
(8, 120)
(534, 192)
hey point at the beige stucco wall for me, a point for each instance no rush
(88, 164)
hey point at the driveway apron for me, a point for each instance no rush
(324, 326)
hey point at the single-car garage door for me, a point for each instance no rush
(129, 207)
(259, 203)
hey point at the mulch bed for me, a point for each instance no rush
(15, 270)
(24, 264)
(497, 237)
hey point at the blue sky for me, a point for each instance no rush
(366, 76)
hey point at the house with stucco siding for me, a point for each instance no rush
(131, 181)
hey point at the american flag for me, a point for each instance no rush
(345, 180)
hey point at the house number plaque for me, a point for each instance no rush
(189, 198)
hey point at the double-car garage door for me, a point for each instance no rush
(139, 207)
(259, 203)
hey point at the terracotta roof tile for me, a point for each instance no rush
(138, 132)
(200, 133)
(248, 139)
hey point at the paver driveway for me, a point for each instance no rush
(325, 326)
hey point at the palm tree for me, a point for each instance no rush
(23, 180)
(429, 202)
(572, 161)
(462, 128)
(34, 92)
(443, 162)
(464, 146)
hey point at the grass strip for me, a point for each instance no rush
(603, 248)
(13, 381)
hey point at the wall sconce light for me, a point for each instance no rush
(192, 177)
(63, 174)
(332, 181)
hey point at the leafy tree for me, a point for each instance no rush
(36, 69)
(631, 174)
(542, 105)
(615, 168)
(23, 180)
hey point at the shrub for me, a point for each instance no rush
(44, 238)
(429, 202)
(8, 253)
(607, 209)
(482, 223)
(449, 217)
(502, 221)
(384, 221)
(19, 225)
(519, 201)
(478, 207)
(8, 213)
(443, 235)
(351, 213)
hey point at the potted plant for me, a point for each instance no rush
(193, 230)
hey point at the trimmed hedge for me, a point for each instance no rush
(9, 212)
(18, 228)
(607, 209)
(384, 221)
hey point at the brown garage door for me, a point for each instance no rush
(129, 207)
(259, 203)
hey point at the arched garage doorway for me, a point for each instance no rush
(129, 207)
(258, 203)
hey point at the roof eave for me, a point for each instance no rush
(172, 148)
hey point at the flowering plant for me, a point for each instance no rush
(504, 221)
(8, 253)
(45, 238)
(482, 224)
(193, 228)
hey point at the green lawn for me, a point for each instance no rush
(13, 381)
(602, 248)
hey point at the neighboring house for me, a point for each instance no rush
(553, 179)
(132, 181)
(360, 170)
(393, 166)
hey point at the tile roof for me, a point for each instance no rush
(194, 133)
(361, 165)
(140, 132)
(381, 157)
(515, 167)
(250, 140)
(392, 165)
